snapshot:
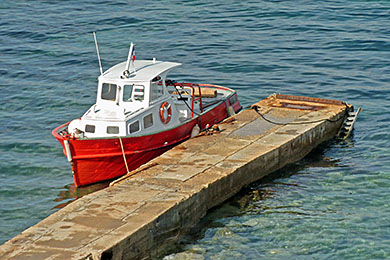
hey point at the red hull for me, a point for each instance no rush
(96, 160)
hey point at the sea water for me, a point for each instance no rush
(334, 204)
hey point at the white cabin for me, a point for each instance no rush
(132, 104)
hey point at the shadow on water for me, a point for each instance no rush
(250, 200)
(70, 193)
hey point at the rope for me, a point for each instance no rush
(256, 108)
(123, 153)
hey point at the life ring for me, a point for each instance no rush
(165, 117)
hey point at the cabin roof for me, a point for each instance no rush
(146, 70)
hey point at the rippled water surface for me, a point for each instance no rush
(334, 204)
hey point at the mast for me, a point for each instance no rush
(129, 69)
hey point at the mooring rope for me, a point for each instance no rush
(123, 153)
(257, 109)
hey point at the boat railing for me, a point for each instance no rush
(195, 92)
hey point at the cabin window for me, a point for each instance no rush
(134, 127)
(109, 91)
(127, 91)
(148, 121)
(156, 88)
(112, 130)
(90, 128)
(138, 92)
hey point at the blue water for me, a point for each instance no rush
(332, 205)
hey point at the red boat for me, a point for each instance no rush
(138, 115)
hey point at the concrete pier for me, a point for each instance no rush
(145, 213)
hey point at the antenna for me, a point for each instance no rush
(97, 51)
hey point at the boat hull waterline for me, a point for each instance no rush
(101, 159)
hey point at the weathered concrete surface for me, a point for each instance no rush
(144, 214)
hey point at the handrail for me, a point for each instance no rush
(195, 99)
